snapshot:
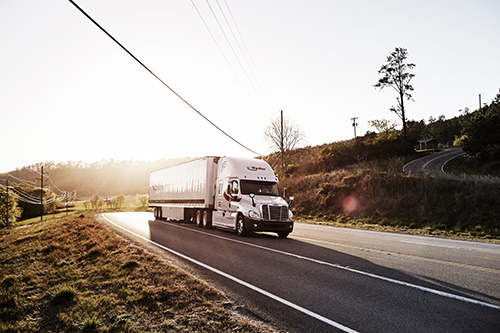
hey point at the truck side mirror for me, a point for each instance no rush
(232, 188)
(284, 192)
(235, 187)
(291, 199)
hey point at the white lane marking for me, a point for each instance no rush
(430, 244)
(406, 284)
(442, 166)
(246, 284)
(439, 155)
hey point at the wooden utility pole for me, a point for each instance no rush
(7, 181)
(354, 124)
(282, 145)
(41, 197)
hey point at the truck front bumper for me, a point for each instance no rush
(271, 226)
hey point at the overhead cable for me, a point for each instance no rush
(265, 90)
(224, 55)
(27, 182)
(231, 46)
(192, 107)
(242, 52)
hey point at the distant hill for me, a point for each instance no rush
(104, 178)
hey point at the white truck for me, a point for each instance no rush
(239, 194)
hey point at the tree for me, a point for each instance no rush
(14, 212)
(143, 199)
(386, 129)
(284, 136)
(94, 200)
(396, 75)
(120, 201)
(482, 132)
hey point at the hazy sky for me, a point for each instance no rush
(68, 92)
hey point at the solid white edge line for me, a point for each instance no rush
(246, 284)
(442, 166)
(406, 284)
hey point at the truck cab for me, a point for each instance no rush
(247, 199)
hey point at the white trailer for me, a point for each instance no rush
(239, 194)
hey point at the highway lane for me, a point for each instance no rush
(325, 279)
(433, 164)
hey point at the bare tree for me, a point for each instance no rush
(94, 200)
(143, 199)
(284, 136)
(396, 75)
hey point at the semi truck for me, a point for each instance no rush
(238, 194)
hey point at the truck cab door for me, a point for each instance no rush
(226, 203)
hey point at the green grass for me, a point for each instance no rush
(74, 275)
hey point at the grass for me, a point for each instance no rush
(472, 166)
(73, 274)
(377, 195)
(130, 205)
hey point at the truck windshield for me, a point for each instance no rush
(259, 188)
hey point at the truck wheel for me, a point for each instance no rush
(198, 219)
(207, 220)
(157, 213)
(283, 234)
(240, 226)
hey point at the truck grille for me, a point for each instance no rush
(274, 213)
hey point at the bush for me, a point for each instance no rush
(368, 148)
(381, 193)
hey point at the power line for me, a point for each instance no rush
(265, 90)
(22, 195)
(192, 107)
(231, 46)
(225, 57)
(26, 182)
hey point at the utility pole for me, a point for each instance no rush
(479, 101)
(66, 203)
(354, 124)
(7, 181)
(282, 147)
(41, 197)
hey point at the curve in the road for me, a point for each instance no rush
(433, 164)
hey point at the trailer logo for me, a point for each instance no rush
(254, 168)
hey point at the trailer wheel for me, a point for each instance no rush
(198, 219)
(207, 220)
(157, 213)
(240, 226)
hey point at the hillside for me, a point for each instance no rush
(104, 178)
(73, 274)
(377, 192)
(349, 182)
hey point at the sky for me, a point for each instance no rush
(69, 93)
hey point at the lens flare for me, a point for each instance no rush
(351, 204)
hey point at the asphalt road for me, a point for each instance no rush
(433, 164)
(327, 279)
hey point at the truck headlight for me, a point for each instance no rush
(254, 215)
(290, 215)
